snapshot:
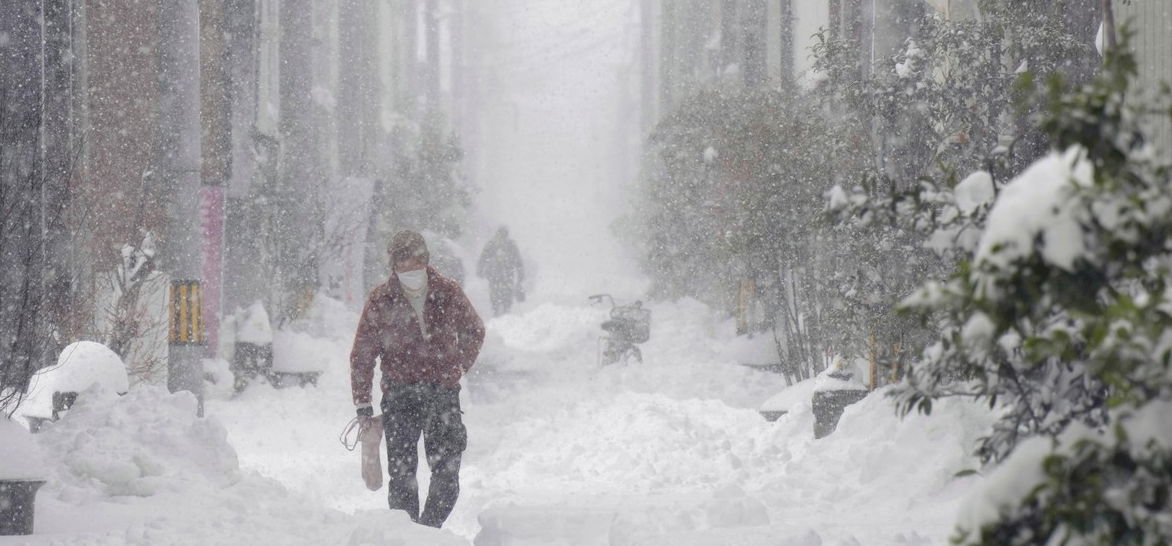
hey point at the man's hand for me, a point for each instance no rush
(366, 418)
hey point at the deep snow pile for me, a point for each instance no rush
(673, 450)
(561, 451)
(141, 444)
(143, 469)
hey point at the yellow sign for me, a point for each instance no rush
(183, 311)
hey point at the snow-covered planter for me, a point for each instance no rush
(17, 505)
(790, 401)
(22, 473)
(833, 391)
(829, 405)
(246, 340)
(79, 366)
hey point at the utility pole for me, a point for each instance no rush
(431, 27)
(242, 231)
(179, 169)
(295, 223)
(216, 150)
(357, 111)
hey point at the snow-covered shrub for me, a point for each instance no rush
(1087, 486)
(736, 201)
(1063, 319)
(956, 98)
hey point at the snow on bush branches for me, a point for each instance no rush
(1063, 319)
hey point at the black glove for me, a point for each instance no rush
(365, 411)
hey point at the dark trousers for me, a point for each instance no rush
(434, 411)
(500, 293)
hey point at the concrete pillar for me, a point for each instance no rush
(179, 171)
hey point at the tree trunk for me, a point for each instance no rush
(295, 221)
(22, 205)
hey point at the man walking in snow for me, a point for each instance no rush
(500, 263)
(426, 335)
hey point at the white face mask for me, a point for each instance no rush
(413, 280)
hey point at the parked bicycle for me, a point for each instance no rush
(628, 326)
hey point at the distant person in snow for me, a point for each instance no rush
(500, 263)
(426, 335)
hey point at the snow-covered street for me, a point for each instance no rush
(625, 272)
(561, 451)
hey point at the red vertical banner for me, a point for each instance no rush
(211, 219)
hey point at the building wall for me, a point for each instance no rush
(122, 69)
(1152, 22)
(268, 98)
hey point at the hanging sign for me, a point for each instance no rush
(184, 313)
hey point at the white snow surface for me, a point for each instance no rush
(561, 451)
(79, 366)
(975, 190)
(1039, 204)
(254, 325)
(20, 454)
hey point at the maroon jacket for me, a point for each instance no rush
(388, 331)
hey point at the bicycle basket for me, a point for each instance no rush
(636, 320)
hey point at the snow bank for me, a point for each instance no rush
(79, 365)
(550, 328)
(633, 443)
(647, 469)
(138, 445)
(561, 451)
(254, 326)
